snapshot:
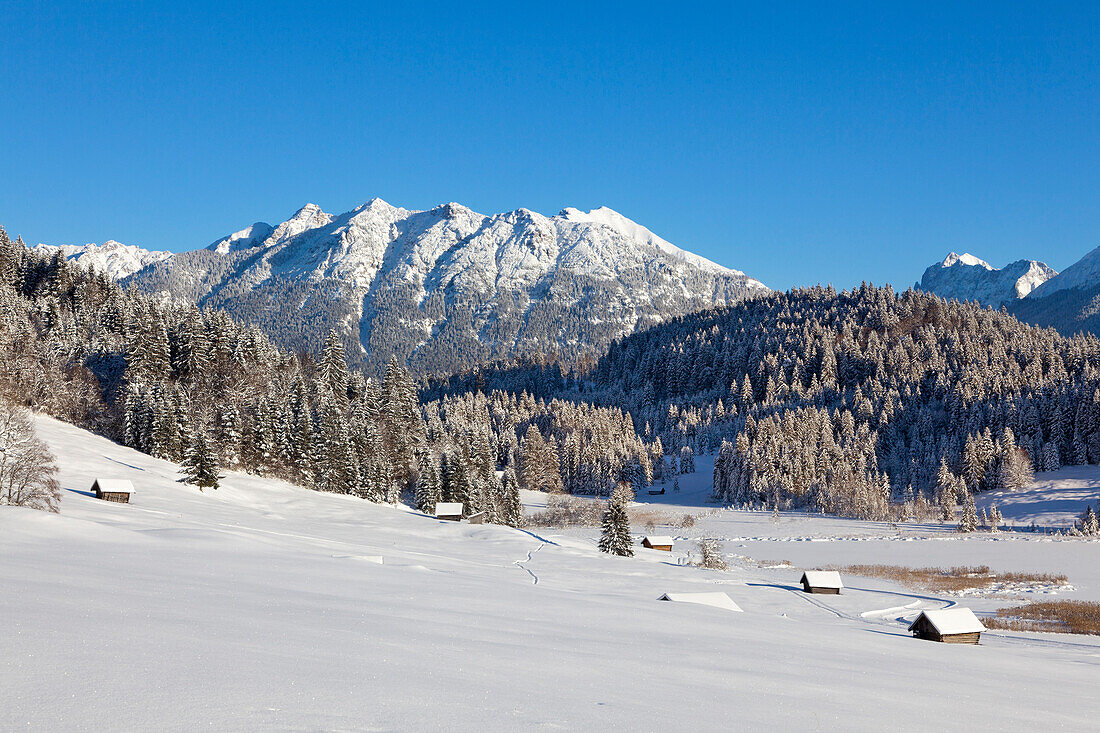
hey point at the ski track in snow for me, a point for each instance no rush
(530, 554)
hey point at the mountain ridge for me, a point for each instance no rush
(447, 288)
(966, 277)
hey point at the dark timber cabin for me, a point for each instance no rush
(476, 518)
(113, 489)
(949, 625)
(657, 543)
(821, 581)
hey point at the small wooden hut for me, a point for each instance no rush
(449, 510)
(949, 625)
(113, 489)
(821, 581)
(476, 518)
(657, 492)
(657, 543)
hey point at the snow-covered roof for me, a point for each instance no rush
(951, 621)
(115, 485)
(822, 578)
(717, 600)
(658, 540)
(448, 508)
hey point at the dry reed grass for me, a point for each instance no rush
(1064, 617)
(950, 580)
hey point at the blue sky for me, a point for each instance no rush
(818, 142)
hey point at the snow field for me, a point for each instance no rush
(262, 606)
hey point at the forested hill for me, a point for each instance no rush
(178, 382)
(849, 402)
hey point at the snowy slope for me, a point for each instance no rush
(262, 607)
(449, 287)
(1083, 274)
(965, 277)
(115, 259)
(1069, 302)
(616, 221)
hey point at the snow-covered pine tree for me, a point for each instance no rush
(457, 485)
(333, 368)
(200, 464)
(968, 522)
(428, 488)
(615, 536)
(995, 518)
(946, 487)
(687, 460)
(403, 431)
(1051, 460)
(511, 506)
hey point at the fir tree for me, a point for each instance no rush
(428, 489)
(995, 518)
(615, 536)
(511, 506)
(968, 522)
(334, 368)
(200, 465)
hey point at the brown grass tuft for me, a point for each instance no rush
(950, 580)
(1064, 617)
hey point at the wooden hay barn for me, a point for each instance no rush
(821, 581)
(476, 518)
(657, 543)
(949, 625)
(450, 511)
(113, 489)
(656, 492)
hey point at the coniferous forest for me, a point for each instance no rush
(867, 403)
(198, 388)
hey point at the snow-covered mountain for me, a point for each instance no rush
(1081, 275)
(114, 258)
(1033, 292)
(1069, 302)
(965, 277)
(449, 287)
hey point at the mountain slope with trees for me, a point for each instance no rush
(864, 403)
(197, 387)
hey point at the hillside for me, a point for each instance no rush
(262, 605)
(448, 288)
(865, 403)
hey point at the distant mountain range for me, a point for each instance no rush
(444, 289)
(965, 277)
(1033, 292)
(114, 258)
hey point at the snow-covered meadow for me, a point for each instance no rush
(264, 606)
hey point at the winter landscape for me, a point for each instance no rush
(712, 447)
(268, 606)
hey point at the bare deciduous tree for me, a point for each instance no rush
(27, 468)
